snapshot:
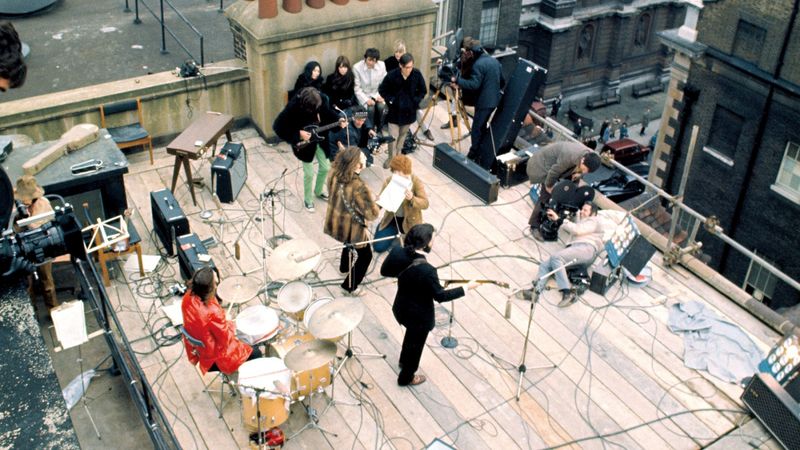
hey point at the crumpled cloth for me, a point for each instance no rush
(712, 344)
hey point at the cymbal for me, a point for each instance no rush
(337, 318)
(293, 259)
(310, 355)
(238, 289)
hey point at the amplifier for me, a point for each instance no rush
(168, 218)
(774, 408)
(512, 167)
(469, 175)
(229, 172)
(192, 255)
(603, 277)
(638, 254)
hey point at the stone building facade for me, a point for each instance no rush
(743, 93)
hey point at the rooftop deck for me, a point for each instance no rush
(616, 368)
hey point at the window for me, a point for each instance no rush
(490, 14)
(642, 34)
(585, 43)
(749, 41)
(789, 173)
(759, 282)
(724, 134)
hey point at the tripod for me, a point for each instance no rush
(455, 129)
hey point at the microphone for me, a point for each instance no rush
(508, 309)
(304, 257)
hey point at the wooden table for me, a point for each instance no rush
(193, 142)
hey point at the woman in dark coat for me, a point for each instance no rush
(417, 287)
(311, 77)
(340, 85)
(351, 206)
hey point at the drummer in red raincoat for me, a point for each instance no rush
(204, 319)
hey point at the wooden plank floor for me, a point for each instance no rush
(611, 366)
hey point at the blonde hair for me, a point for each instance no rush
(399, 46)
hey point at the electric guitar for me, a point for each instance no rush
(304, 150)
(501, 284)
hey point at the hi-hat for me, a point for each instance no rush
(238, 289)
(293, 259)
(337, 318)
(310, 355)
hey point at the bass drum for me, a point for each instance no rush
(272, 375)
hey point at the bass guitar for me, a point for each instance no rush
(304, 150)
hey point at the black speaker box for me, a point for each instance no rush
(638, 255)
(603, 278)
(513, 170)
(774, 408)
(229, 171)
(518, 95)
(192, 255)
(471, 176)
(168, 218)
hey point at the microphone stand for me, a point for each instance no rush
(271, 194)
(522, 368)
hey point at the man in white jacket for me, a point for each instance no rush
(369, 73)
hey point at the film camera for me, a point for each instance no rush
(374, 143)
(450, 59)
(23, 251)
(566, 199)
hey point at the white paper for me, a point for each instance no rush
(70, 324)
(174, 313)
(395, 192)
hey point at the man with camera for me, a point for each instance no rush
(356, 132)
(586, 243)
(554, 162)
(485, 77)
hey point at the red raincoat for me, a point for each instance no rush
(206, 322)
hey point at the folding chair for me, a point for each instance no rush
(226, 380)
(131, 134)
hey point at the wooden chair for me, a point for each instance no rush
(108, 253)
(131, 134)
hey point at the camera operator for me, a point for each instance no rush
(12, 67)
(485, 77)
(583, 248)
(353, 133)
(31, 202)
(551, 163)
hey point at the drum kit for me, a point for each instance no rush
(302, 355)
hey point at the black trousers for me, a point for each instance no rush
(478, 134)
(413, 344)
(361, 260)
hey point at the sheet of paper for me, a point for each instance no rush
(70, 324)
(395, 192)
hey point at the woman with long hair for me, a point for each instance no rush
(311, 77)
(340, 85)
(351, 206)
(417, 287)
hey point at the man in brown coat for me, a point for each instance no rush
(351, 206)
(554, 162)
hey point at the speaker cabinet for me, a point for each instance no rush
(638, 255)
(774, 408)
(603, 278)
(168, 218)
(469, 175)
(192, 255)
(229, 171)
(518, 95)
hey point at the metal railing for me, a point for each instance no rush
(676, 201)
(166, 29)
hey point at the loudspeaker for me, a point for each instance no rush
(517, 98)
(192, 255)
(512, 168)
(469, 175)
(774, 408)
(603, 278)
(229, 171)
(168, 218)
(638, 255)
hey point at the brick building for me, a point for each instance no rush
(743, 92)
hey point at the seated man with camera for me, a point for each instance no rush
(584, 246)
(355, 132)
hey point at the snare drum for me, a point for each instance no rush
(272, 375)
(257, 324)
(312, 308)
(293, 297)
(307, 381)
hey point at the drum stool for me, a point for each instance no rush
(224, 378)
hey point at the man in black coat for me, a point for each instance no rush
(403, 89)
(417, 287)
(485, 78)
(353, 133)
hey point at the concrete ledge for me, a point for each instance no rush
(169, 103)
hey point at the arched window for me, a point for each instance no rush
(585, 43)
(642, 34)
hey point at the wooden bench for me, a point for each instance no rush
(604, 99)
(573, 116)
(648, 87)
